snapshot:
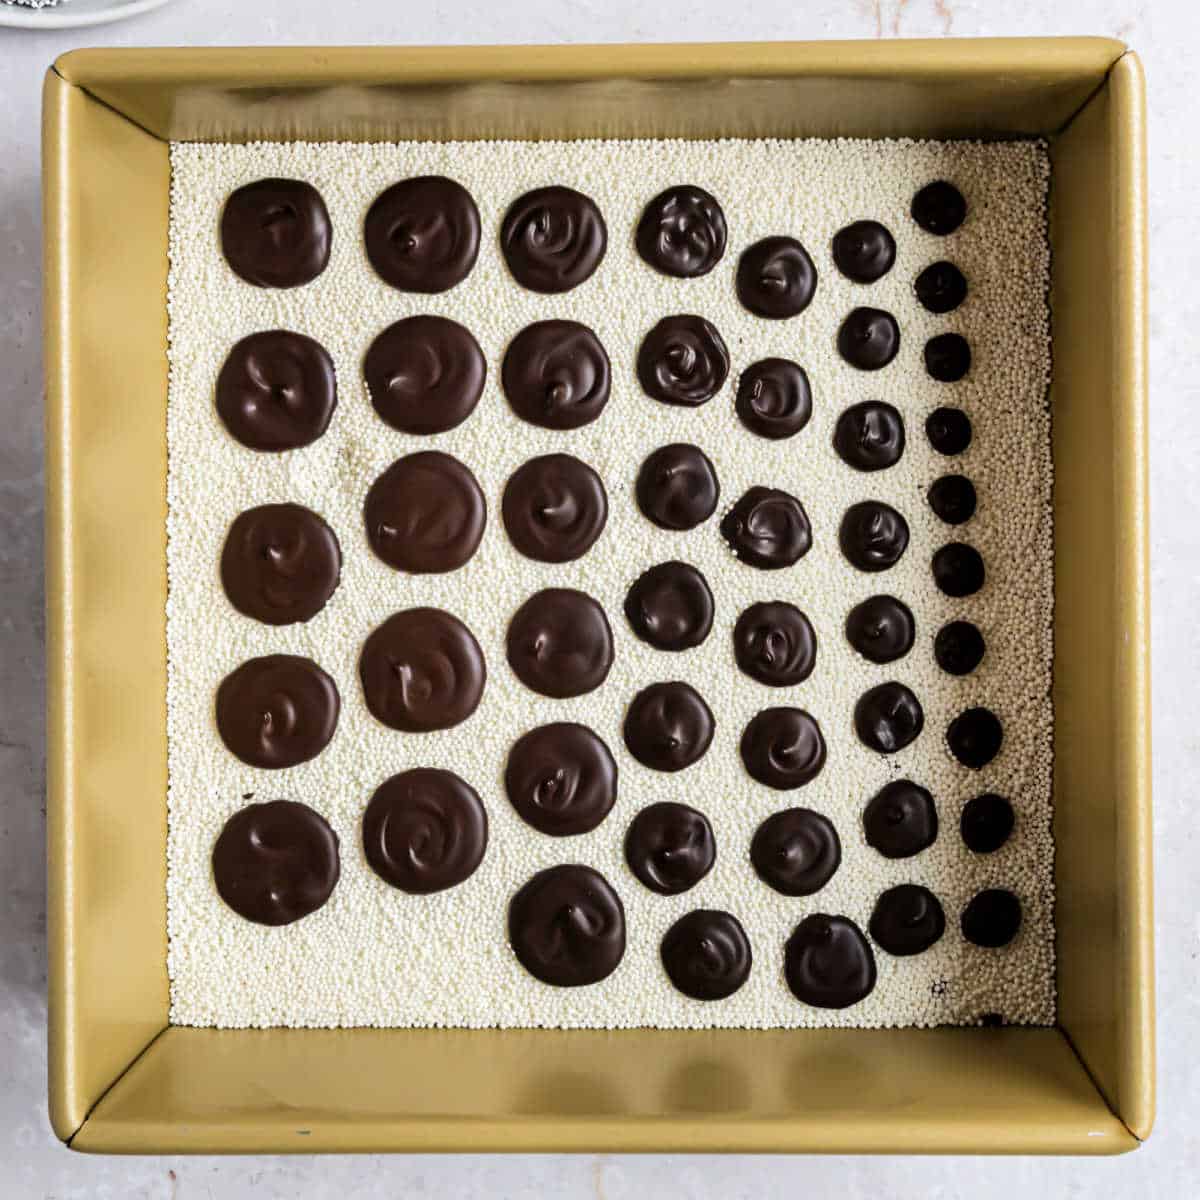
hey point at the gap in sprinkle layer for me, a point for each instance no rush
(375, 956)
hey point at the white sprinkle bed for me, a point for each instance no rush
(376, 956)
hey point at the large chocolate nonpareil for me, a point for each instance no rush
(559, 643)
(422, 234)
(948, 430)
(986, 823)
(276, 862)
(682, 232)
(677, 487)
(424, 830)
(277, 711)
(276, 390)
(567, 926)
(556, 374)
(959, 647)
(776, 278)
(425, 374)
(952, 497)
(276, 233)
(939, 208)
(554, 508)
(869, 436)
(958, 569)
(280, 563)
(670, 847)
(425, 514)
(796, 851)
(774, 398)
(941, 287)
(872, 535)
(881, 628)
(553, 238)
(864, 251)
(421, 670)
(888, 717)
(706, 954)
(670, 606)
(828, 963)
(683, 361)
(767, 528)
(783, 747)
(947, 357)
(907, 919)
(668, 726)
(900, 820)
(992, 918)
(975, 737)
(561, 779)
(774, 642)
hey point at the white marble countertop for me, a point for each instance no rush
(33, 1164)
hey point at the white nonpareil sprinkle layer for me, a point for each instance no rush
(376, 956)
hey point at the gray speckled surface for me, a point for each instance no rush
(32, 1164)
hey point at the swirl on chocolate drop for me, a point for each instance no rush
(677, 487)
(706, 954)
(567, 926)
(783, 747)
(828, 963)
(421, 670)
(559, 643)
(554, 508)
(424, 374)
(767, 528)
(276, 862)
(682, 232)
(796, 851)
(682, 361)
(275, 233)
(670, 606)
(774, 398)
(776, 278)
(276, 390)
(553, 238)
(888, 717)
(277, 711)
(668, 726)
(424, 830)
(561, 778)
(774, 642)
(556, 374)
(900, 820)
(670, 847)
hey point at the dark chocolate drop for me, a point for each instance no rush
(774, 642)
(774, 398)
(881, 629)
(958, 648)
(958, 569)
(670, 607)
(274, 863)
(670, 847)
(556, 374)
(425, 514)
(421, 670)
(280, 563)
(767, 528)
(828, 963)
(869, 339)
(900, 820)
(992, 918)
(277, 711)
(952, 497)
(553, 238)
(682, 232)
(276, 391)
(422, 234)
(424, 374)
(567, 926)
(275, 233)
(796, 851)
(939, 208)
(783, 748)
(869, 436)
(986, 823)
(776, 278)
(975, 737)
(864, 251)
(424, 830)
(888, 717)
(873, 535)
(677, 487)
(554, 508)
(907, 920)
(947, 357)
(561, 779)
(941, 287)
(559, 643)
(948, 430)
(682, 361)
(706, 954)
(668, 726)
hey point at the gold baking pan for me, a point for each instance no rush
(122, 1079)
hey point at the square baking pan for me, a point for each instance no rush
(123, 1080)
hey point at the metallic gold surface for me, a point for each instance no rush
(841, 1090)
